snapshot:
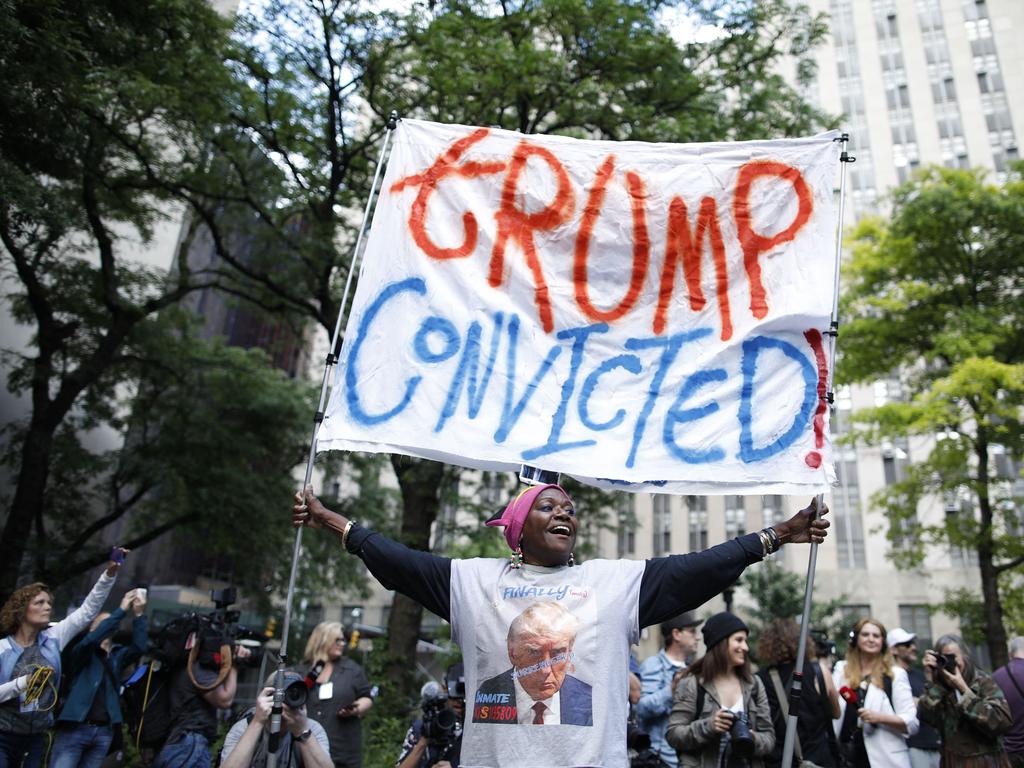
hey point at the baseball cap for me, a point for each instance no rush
(899, 636)
(682, 621)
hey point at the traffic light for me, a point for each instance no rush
(271, 629)
(353, 639)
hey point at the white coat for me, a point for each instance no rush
(886, 748)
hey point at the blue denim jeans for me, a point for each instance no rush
(20, 751)
(189, 751)
(80, 745)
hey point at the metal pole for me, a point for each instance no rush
(332, 358)
(796, 686)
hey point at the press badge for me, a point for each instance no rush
(326, 690)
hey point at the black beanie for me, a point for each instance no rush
(720, 626)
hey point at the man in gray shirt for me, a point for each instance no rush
(303, 741)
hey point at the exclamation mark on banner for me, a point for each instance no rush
(813, 336)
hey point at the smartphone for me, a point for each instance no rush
(117, 555)
(140, 592)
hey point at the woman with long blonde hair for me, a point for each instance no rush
(341, 695)
(872, 731)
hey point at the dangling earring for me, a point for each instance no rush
(516, 561)
(572, 559)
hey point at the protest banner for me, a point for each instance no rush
(640, 316)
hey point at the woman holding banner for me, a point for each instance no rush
(545, 643)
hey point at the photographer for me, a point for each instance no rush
(720, 717)
(965, 705)
(196, 695)
(303, 741)
(92, 711)
(436, 740)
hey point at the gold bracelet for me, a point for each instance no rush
(344, 534)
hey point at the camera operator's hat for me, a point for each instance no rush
(513, 517)
(721, 626)
(899, 636)
(682, 621)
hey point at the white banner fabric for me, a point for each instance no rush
(647, 317)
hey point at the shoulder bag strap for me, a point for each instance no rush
(1009, 674)
(780, 693)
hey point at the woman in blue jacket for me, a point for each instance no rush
(30, 665)
(92, 711)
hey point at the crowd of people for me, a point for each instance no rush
(874, 709)
(543, 642)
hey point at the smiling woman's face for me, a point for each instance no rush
(549, 533)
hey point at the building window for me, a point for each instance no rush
(848, 519)
(959, 514)
(662, 538)
(735, 517)
(917, 620)
(698, 512)
(626, 534)
(772, 511)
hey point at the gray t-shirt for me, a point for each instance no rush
(17, 716)
(550, 647)
(287, 757)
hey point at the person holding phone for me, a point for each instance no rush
(92, 711)
(30, 663)
(340, 696)
(966, 706)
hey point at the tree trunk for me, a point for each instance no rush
(420, 482)
(995, 632)
(27, 503)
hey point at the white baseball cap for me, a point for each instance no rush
(899, 636)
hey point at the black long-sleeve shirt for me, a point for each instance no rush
(670, 585)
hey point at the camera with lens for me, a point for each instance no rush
(741, 739)
(638, 745)
(947, 662)
(211, 632)
(823, 646)
(296, 690)
(439, 722)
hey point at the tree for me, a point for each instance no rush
(316, 81)
(779, 594)
(938, 287)
(98, 98)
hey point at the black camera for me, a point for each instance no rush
(740, 736)
(823, 646)
(947, 661)
(439, 722)
(296, 690)
(640, 753)
(211, 632)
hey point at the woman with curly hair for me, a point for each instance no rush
(819, 703)
(966, 706)
(720, 716)
(873, 732)
(30, 665)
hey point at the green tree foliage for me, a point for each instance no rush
(101, 108)
(938, 287)
(776, 593)
(607, 68)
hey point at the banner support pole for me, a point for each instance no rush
(796, 686)
(332, 358)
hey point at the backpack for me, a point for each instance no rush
(146, 705)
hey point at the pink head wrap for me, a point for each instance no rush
(515, 514)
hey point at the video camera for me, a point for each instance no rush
(823, 646)
(211, 631)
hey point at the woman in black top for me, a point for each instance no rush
(819, 704)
